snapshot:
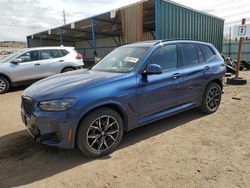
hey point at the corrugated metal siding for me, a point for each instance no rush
(132, 23)
(234, 50)
(176, 22)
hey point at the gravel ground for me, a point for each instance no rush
(187, 150)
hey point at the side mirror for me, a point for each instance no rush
(153, 69)
(16, 61)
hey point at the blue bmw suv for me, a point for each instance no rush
(132, 86)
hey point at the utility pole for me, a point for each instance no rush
(64, 18)
(229, 43)
(239, 51)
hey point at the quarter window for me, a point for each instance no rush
(189, 54)
(166, 57)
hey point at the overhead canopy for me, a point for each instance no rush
(102, 26)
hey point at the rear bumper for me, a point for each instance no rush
(54, 129)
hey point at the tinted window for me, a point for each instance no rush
(64, 52)
(208, 52)
(200, 54)
(56, 53)
(189, 54)
(166, 57)
(49, 54)
(29, 56)
(45, 54)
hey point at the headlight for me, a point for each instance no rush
(57, 105)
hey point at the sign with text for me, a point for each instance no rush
(241, 31)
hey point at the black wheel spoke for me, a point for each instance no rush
(112, 132)
(111, 137)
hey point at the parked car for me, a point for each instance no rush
(132, 86)
(32, 64)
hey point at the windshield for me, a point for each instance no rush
(122, 59)
(9, 57)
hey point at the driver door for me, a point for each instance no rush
(29, 68)
(160, 92)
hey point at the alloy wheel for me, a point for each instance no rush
(2, 85)
(213, 98)
(102, 133)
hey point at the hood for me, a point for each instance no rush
(62, 85)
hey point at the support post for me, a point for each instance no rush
(239, 51)
(93, 34)
(61, 36)
(156, 19)
(41, 39)
(229, 42)
(28, 42)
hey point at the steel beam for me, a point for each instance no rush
(93, 34)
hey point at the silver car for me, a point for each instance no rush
(32, 64)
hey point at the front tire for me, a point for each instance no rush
(100, 132)
(4, 85)
(211, 98)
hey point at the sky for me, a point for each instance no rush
(20, 18)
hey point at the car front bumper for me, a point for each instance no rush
(51, 128)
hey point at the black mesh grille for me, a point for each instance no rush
(27, 106)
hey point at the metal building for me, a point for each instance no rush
(230, 49)
(146, 20)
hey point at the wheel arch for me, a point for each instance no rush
(6, 77)
(72, 67)
(217, 81)
(112, 105)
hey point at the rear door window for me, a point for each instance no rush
(189, 54)
(45, 54)
(207, 51)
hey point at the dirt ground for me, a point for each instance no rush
(186, 150)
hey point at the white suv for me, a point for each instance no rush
(32, 64)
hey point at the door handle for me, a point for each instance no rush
(61, 60)
(176, 75)
(37, 64)
(207, 68)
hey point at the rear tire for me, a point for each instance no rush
(4, 85)
(100, 132)
(211, 98)
(68, 69)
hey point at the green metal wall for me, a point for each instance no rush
(232, 51)
(178, 22)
